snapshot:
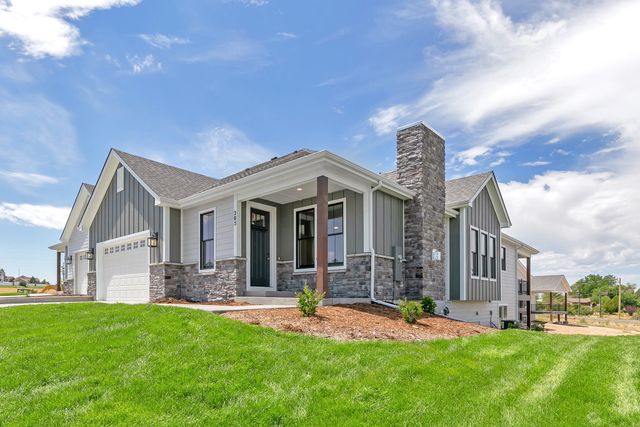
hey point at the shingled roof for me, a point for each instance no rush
(458, 191)
(553, 283)
(167, 181)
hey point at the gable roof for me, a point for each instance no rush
(77, 209)
(461, 191)
(165, 181)
(551, 283)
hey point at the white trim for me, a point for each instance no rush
(342, 267)
(215, 240)
(273, 247)
(367, 219)
(237, 217)
(479, 275)
(181, 236)
(99, 255)
(166, 234)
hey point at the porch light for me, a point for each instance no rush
(299, 189)
(152, 241)
(90, 254)
(69, 259)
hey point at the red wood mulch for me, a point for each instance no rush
(358, 322)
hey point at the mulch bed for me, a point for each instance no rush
(184, 301)
(359, 322)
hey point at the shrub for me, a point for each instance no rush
(428, 305)
(513, 325)
(631, 309)
(308, 301)
(22, 283)
(537, 326)
(410, 310)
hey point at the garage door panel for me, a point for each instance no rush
(125, 271)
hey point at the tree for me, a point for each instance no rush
(33, 280)
(22, 283)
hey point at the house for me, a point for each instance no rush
(148, 230)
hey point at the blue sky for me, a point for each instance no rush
(540, 92)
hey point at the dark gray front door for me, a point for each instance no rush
(260, 256)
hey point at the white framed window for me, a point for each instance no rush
(120, 179)
(493, 266)
(503, 258)
(503, 312)
(474, 252)
(207, 240)
(484, 262)
(305, 225)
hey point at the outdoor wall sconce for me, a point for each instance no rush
(69, 259)
(152, 241)
(90, 255)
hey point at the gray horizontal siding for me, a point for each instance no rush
(224, 230)
(388, 223)
(127, 212)
(483, 216)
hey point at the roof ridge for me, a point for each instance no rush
(471, 176)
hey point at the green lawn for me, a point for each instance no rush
(116, 364)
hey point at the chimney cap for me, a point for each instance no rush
(417, 123)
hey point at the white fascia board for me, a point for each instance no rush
(294, 172)
(496, 199)
(75, 213)
(451, 213)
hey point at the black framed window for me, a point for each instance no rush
(474, 252)
(503, 258)
(336, 235)
(305, 238)
(492, 256)
(207, 241)
(483, 254)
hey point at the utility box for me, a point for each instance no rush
(398, 257)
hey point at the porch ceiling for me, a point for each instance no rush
(301, 191)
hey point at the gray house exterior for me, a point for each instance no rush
(152, 231)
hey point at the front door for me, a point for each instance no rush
(260, 256)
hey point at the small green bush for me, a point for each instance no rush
(537, 326)
(309, 300)
(513, 325)
(410, 310)
(428, 305)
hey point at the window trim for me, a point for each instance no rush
(343, 267)
(506, 309)
(503, 258)
(486, 254)
(476, 276)
(495, 256)
(215, 239)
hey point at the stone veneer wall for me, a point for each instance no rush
(67, 287)
(352, 282)
(91, 284)
(386, 289)
(184, 281)
(421, 167)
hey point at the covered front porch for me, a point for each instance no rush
(324, 225)
(550, 297)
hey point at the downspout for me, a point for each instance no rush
(373, 251)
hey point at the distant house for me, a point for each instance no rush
(3, 276)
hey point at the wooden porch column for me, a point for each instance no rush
(322, 239)
(58, 275)
(566, 320)
(529, 292)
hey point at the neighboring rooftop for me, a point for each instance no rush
(552, 283)
(167, 181)
(457, 191)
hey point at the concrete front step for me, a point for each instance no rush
(44, 299)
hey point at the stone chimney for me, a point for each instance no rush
(420, 165)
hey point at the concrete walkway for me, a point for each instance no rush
(599, 331)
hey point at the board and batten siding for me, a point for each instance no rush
(174, 241)
(354, 226)
(388, 223)
(223, 229)
(129, 211)
(453, 257)
(482, 215)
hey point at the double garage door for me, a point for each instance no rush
(123, 270)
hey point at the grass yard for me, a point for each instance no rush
(6, 291)
(87, 364)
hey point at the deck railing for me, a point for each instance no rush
(547, 308)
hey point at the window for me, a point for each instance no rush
(492, 256)
(207, 245)
(502, 312)
(336, 235)
(474, 252)
(503, 258)
(483, 255)
(305, 238)
(120, 179)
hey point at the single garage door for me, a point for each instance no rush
(82, 268)
(124, 270)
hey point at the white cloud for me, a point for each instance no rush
(34, 215)
(36, 134)
(535, 163)
(43, 28)
(27, 178)
(286, 35)
(224, 150)
(554, 73)
(254, 2)
(144, 64)
(498, 162)
(163, 41)
(234, 50)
